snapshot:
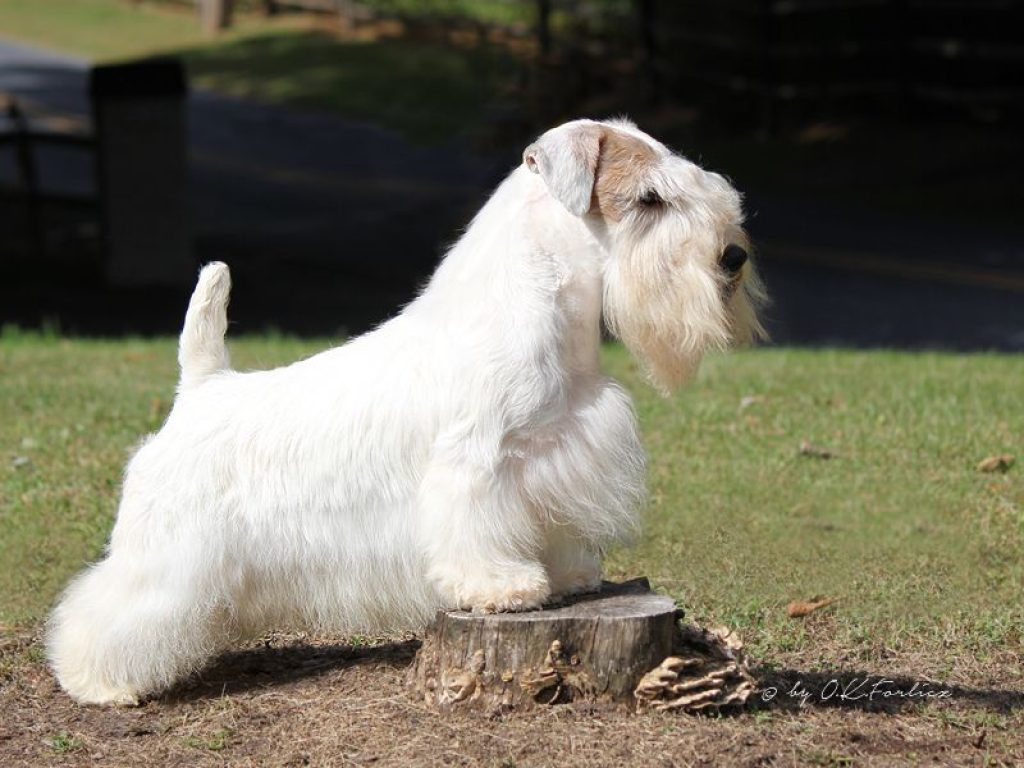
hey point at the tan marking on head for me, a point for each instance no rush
(621, 158)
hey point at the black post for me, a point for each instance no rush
(544, 27)
(901, 52)
(768, 75)
(139, 111)
(29, 180)
(649, 48)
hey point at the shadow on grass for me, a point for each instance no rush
(779, 690)
(427, 91)
(240, 671)
(791, 690)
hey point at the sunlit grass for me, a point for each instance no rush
(427, 90)
(900, 526)
(104, 30)
(70, 413)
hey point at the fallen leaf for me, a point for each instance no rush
(999, 463)
(156, 407)
(815, 451)
(800, 608)
(748, 400)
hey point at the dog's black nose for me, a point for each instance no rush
(733, 258)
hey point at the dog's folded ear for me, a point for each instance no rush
(566, 158)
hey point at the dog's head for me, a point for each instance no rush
(678, 279)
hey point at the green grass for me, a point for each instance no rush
(63, 743)
(117, 29)
(923, 551)
(429, 91)
(485, 11)
(918, 546)
(214, 742)
(106, 29)
(71, 413)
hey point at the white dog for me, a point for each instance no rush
(468, 452)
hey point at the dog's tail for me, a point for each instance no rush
(201, 349)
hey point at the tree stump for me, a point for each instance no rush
(622, 644)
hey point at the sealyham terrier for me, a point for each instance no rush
(467, 453)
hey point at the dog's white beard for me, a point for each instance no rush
(670, 314)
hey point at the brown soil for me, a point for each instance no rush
(300, 701)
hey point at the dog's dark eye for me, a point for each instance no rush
(733, 258)
(649, 199)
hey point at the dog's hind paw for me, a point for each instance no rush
(125, 700)
(105, 696)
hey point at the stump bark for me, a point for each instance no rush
(622, 644)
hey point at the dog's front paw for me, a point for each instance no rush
(523, 590)
(582, 582)
(573, 568)
(512, 601)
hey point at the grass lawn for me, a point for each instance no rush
(427, 90)
(924, 553)
(110, 29)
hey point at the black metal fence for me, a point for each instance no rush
(780, 61)
(816, 58)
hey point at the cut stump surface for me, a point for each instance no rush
(612, 645)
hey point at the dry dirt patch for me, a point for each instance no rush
(310, 701)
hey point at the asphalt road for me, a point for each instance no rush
(306, 205)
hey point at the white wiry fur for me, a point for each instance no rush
(469, 452)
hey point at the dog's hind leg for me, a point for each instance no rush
(129, 627)
(201, 349)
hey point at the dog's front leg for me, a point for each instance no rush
(573, 564)
(481, 539)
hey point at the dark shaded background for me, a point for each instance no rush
(878, 144)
